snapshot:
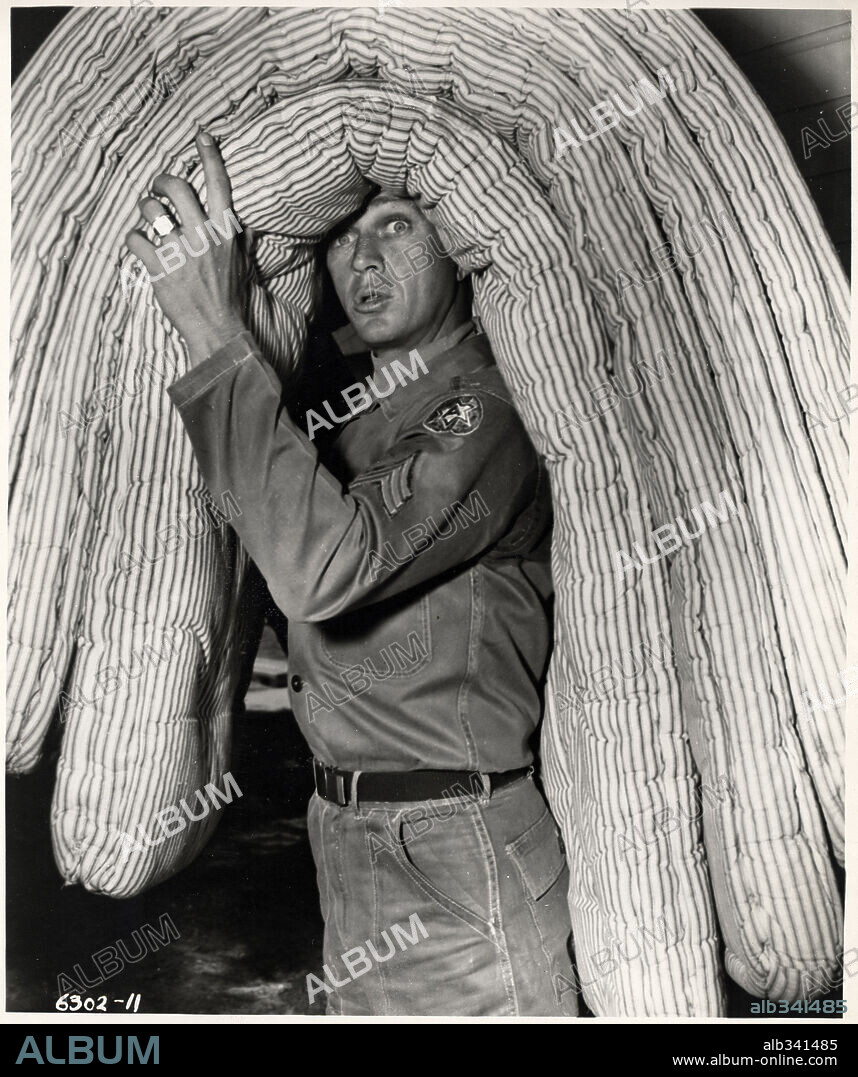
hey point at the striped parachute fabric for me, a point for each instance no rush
(667, 311)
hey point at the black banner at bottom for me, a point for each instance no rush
(746, 1047)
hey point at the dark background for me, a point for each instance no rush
(247, 909)
(30, 27)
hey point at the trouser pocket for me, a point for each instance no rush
(540, 860)
(450, 864)
(539, 855)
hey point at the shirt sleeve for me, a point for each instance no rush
(435, 501)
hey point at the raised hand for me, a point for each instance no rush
(200, 266)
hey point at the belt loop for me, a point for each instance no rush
(341, 789)
(319, 778)
(353, 792)
(486, 779)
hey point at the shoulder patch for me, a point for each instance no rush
(393, 481)
(460, 414)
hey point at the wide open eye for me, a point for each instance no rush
(343, 239)
(398, 226)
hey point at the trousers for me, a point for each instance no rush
(444, 907)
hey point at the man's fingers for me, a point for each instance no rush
(151, 209)
(183, 197)
(218, 187)
(143, 249)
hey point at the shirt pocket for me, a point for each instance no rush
(389, 639)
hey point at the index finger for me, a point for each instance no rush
(218, 187)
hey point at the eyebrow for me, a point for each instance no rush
(387, 208)
(391, 214)
(382, 214)
(394, 205)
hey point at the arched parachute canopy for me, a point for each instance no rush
(671, 320)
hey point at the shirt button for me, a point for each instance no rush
(296, 683)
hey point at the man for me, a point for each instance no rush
(413, 566)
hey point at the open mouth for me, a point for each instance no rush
(369, 300)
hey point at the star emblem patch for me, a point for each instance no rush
(460, 415)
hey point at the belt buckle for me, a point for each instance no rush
(332, 785)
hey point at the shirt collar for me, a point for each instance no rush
(428, 351)
(465, 350)
(349, 343)
(461, 352)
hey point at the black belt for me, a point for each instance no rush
(336, 785)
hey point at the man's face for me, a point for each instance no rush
(387, 301)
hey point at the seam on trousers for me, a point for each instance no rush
(533, 906)
(376, 929)
(495, 907)
(325, 876)
(341, 926)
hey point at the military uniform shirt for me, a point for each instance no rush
(412, 564)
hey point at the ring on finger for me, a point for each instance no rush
(163, 225)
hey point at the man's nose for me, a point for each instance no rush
(366, 255)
